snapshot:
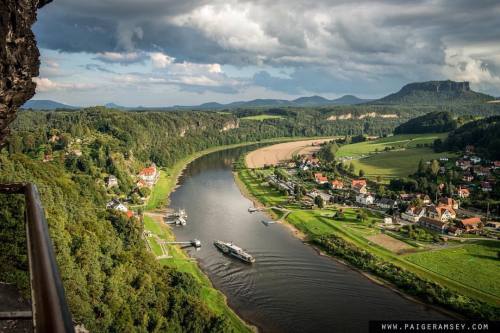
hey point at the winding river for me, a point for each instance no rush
(290, 288)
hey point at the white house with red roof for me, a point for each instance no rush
(320, 178)
(148, 176)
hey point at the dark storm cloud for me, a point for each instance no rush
(329, 44)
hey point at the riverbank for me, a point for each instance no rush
(176, 257)
(314, 224)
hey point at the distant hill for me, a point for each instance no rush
(434, 122)
(46, 104)
(435, 92)
(311, 101)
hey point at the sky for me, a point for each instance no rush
(172, 52)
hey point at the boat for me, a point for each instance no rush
(235, 251)
(267, 223)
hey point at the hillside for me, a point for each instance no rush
(45, 104)
(433, 122)
(483, 134)
(435, 92)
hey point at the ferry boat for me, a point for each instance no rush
(235, 251)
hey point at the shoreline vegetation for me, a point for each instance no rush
(159, 199)
(408, 280)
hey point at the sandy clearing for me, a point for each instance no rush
(390, 243)
(272, 155)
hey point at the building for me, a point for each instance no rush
(486, 187)
(496, 165)
(111, 181)
(115, 204)
(493, 224)
(149, 175)
(360, 188)
(386, 203)
(356, 182)
(434, 225)
(320, 178)
(365, 199)
(448, 202)
(471, 224)
(475, 159)
(469, 149)
(413, 214)
(387, 220)
(463, 164)
(463, 193)
(441, 212)
(468, 177)
(336, 184)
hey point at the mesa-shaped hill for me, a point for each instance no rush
(435, 92)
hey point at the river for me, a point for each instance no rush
(290, 288)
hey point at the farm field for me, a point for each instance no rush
(475, 265)
(262, 117)
(403, 141)
(273, 155)
(392, 164)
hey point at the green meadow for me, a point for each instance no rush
(262, 117)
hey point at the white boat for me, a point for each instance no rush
(235, 251)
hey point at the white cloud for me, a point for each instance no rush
(161, 60)
(47, 85)
(122, 58)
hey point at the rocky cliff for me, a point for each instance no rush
(19, 57)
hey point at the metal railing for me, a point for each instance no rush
(50, 312)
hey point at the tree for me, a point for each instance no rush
(318, 201)
(421, 167)
(361, 172)
(434, 167)
(351, 168)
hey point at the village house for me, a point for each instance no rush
(463, 164)
(149, 176)
(115, 204)
(386, 203)
(468, 177)
(475, 159)
(360, 188)
(355, 182)
(496, 165)
(443, 159)
(413, 214)
(336, 184)
(493, 224)
(469, 149)
(445, 201)
(320, 178)
(309, 163)
(463, 193)
(387, 220)
(486, 187)
(471, 224)
(481, 171)
(432, 224)
(441, 212)
(111, 181)
(365, 199)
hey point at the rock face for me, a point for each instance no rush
(437, 86)
(19, 57)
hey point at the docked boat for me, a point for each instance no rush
(235, 251)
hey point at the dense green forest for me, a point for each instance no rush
(433, 122)
(113, 284)
(483, 134)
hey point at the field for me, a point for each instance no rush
(475, 265)
(273, 155)
(389, 243)
(404, 141)
(262, 117)
(398, 163)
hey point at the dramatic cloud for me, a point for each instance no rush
(327, 46)
(45, 85)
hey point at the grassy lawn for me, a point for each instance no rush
(392, 164)
(403, 141)
(262, 117)
(475, 265)
(316, 222)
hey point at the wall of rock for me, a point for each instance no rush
(19, 57)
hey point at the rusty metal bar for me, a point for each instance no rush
(49, 307)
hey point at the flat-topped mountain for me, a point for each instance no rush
(435, 92)
(46, 104)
